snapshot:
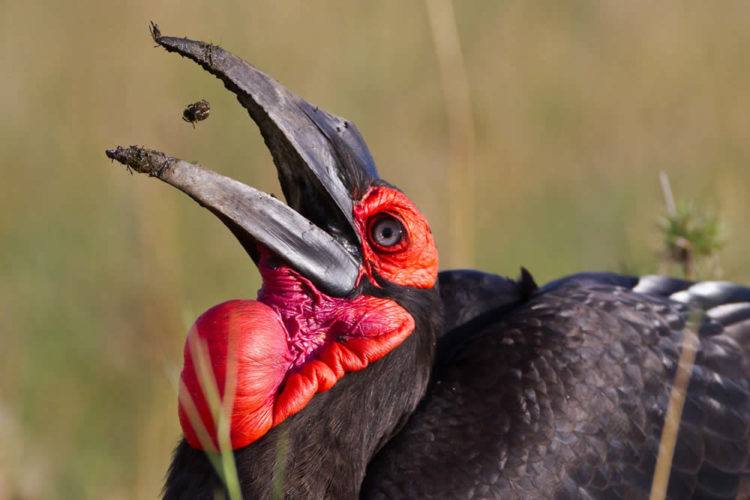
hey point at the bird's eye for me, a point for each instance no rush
(387, 232)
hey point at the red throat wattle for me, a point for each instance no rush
(295, 341)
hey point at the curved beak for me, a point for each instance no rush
(322, 161)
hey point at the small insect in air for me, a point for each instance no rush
(196, 112)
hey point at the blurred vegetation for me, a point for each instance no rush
(577, 106)
(691, 234)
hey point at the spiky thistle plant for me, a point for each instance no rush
(691, 234)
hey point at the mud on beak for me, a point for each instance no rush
(322, 161)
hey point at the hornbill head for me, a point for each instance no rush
(337, 260)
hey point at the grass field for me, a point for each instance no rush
(576, 109)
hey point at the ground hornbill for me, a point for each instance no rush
(361, 371)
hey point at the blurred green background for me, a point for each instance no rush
(577, 106)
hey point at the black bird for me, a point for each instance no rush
(359, 372)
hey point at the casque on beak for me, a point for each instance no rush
(322, 161)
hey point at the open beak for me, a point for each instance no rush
(322, 161)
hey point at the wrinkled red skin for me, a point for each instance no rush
(295, 341)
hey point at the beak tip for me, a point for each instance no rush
(200, 52)
(153, 28)
(142, 160)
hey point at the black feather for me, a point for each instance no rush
(564, 395)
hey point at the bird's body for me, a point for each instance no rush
(358, 373)
(564, 395)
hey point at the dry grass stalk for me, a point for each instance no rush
(690, 343)
(461, 133)
(221, 409)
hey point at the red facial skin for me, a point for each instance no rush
(295, 341)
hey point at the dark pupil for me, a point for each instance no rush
(388, 232)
